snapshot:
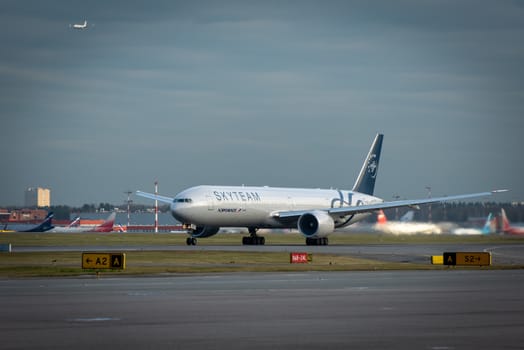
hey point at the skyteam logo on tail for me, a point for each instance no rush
(372, 166)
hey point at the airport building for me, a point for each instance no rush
(37, 197)
(25, 216)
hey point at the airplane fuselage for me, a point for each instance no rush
(80, 26)
(248, 206)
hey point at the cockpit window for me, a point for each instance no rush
(183, 200)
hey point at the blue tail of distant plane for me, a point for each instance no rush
(488, 226)
(46, 225)
(366, 179)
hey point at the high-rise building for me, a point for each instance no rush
(37, 197)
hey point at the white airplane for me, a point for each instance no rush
(315, 212)
(489, 227)
(74, 227)
(405, 226)
(79, 26)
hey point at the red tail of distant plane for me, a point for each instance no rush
(506, 226)
(381, 217)
(106, 226)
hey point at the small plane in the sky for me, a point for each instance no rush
(79, 26)
(315, 212)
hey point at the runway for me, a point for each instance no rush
(446, 309)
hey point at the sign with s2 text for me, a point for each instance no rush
(468, 258)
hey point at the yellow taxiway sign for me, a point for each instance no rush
(104, 261)
(468, 258)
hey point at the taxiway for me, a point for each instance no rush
(447, 309)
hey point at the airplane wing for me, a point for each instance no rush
(155, 197)
(344, 211)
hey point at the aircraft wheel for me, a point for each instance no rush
(317, 241)
(311, 241)
(191, 241)
(256, 240)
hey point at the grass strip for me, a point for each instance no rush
(42, 264)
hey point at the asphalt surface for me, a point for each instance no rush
(446, 309)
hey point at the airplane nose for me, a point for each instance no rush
(180, 209)
(177, 211)
(173, 208)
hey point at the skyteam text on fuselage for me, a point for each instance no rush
(314, 212)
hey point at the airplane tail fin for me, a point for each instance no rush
(107, 226)
(408, 217)
(366, 179)
(488, 225)
(75, 222)
(381, 218)
(46, 225)
(505, 222)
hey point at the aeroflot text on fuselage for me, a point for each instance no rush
(230, 210)
(238, 196)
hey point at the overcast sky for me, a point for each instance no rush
(278, 93)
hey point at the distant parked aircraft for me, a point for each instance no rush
(44, 226)
(405, 226)
(106, 226)
(488, 228)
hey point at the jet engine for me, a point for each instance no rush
(204, 231)
(316, 223)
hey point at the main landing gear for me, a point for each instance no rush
(191, 241)
(317, 241)
(253, 239)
